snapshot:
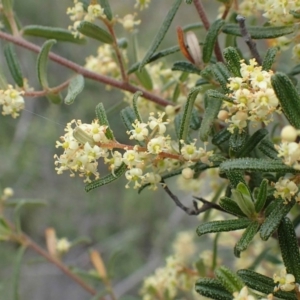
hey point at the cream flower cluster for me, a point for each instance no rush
(142, 4)
(12, 101)
(81, 154)
(286, 189)
(78, 14)
(254, 97)
(176, 276)
(290, 153)
(84, 144)
(244, 295)
(104, 62)
(128, 22)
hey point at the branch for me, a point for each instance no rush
(248, 40)
(84, 72)
(192, 211)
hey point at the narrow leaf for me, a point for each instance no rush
(75, 87)
(187, 114)
(233, 59)
(221, 74)
(212, 288)
(262, 196)
(135, 107)
(42, 62)
(211, 112)
(13, 64)
(269, 58)
(106, 179)
(155, 56)
(263, 284)
(235, 177)
(16, 272)
(59, 34)
(259, 32)
(268, 149)
(246, 238)
(289, 247)
(161, 33)
(186, 66)
(252, 142)
(271, 223)
(145, 79)
(210, 39)
(221, 226)
(231, 206)
(213, 94)
(107, 9)
(221, 137)
(101, 116)
(255, 164)
(288, 96)
(229, 280)
(238, 140)
(95, 32)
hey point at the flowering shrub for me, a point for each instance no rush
(221, 118)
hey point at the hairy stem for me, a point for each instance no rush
(86, 73)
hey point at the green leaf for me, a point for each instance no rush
(16, 272)
(107, 9)
(233, 59)
(210, 39)
(186, 66)
(288, 96)
(271, 223)
(161, 33)
(145, 79)
(267, 148)
(231, 206)
(187, 114)
(221, 137)
(135, 107)
(221, 226)
(212, 288)
(106, 179)
(242, 196)
(59, 34)
(263, 284)
(255, 164)
(13, 64)
(42, 62)
(252, 142)
(295, 70)
(155, 56)
(101, 116)
(177, 89)
(269, 58)
(235, 177)
(214, 94)
(289, 247)
(95, 32)
(246, 238)
(259, 32)
(210, 114)
(75, 87)
(295, 14)
(262, 196)
(229, 280)
(221, 74)
(238, 140)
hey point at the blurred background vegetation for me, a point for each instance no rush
(140, 228)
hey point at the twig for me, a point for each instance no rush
(248, 40)
(192, 211)
(84, 72)
(205, 21)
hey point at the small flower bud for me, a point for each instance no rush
(187, 173)
(194, 48)
(8, 192)
(63, 246)
(289, 133)
(170, 110)
(223, 115)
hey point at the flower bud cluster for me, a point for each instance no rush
(12, 101)
(290, 153)
(142, 4)
(156, 154)
(77, 14)
(254, 97)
